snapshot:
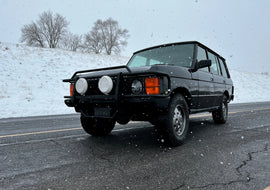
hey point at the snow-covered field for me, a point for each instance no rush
(31, 79)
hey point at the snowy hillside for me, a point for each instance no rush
(31, 79)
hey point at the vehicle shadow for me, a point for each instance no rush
(147, 137)
(131, 145)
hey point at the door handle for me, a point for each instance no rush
(211, 79)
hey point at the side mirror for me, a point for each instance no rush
(201, 64)
(204, 63)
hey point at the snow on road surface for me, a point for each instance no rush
(31, 79)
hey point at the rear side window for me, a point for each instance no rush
(223, 69)
(201, 55)
(215, 66)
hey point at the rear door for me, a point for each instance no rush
(226, 76)
(218, 79)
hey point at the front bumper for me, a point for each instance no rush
(69, 102)
(120, 101)
(126, 105)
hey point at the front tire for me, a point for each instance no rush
(96, 126)
(221, 114)
(177, 121)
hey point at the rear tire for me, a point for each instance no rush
(97, 127)
(221, 114)
(176, 121)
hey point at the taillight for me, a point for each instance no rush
(152, 85)
(71, 89)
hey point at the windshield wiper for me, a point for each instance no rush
(163, 64)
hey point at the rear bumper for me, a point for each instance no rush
(231, 98)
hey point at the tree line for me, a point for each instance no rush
(51, 30)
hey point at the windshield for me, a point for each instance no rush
(179, 55)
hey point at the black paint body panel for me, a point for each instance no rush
(203, 90)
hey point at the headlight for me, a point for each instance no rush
(105, 84)
(81, 86)
(136, 87)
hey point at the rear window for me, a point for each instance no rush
(223, 69)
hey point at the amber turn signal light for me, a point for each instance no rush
(71, 89)
(152, 85)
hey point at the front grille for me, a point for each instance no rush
(93, 86)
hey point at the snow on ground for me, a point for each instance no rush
(250, 87)
(31, 79)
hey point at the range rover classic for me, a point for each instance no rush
(162, 84)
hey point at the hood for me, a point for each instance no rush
(114, 71)
(174, 71)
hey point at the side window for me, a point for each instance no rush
(223, 69)
(214, 67)
(219, 71)
(201, 55)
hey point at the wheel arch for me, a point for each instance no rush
(185, 92)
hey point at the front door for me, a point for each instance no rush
(205, 83)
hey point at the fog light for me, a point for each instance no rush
(136, 87)
(105, 84)
(81, 86)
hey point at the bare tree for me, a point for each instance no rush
(49, 28)
(71, 41)
(113, 36)
(92, 42)
(53, 27)
(108, 35)
(31, 35)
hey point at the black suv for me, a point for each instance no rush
(161, 84)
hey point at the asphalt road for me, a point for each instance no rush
(53, 152)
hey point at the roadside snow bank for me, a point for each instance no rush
(250, 87)
(31, 79)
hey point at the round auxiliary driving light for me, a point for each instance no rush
(81, 86)
(136, 87)
(105, 84)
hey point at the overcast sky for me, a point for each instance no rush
(238, 30)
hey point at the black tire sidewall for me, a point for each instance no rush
(218, 115)
(97, 127)
(173, 138)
